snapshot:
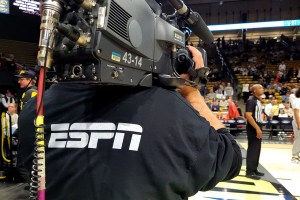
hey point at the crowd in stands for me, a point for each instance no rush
(220, 97)
(271, 63)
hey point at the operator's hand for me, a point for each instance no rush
(193, 96)
(198, 59)
(258, 133)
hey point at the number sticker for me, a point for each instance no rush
(128, 58)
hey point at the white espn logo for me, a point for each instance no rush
(88, 135)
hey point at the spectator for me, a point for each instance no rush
(7, 99)
(215, 106)
(223, 103)
(274, 110)
(228, 90)
(233, 114)
(232, 110)
(12, 113)
(219, 94)
(269, 94)
(267, 111)
(282, 66)
(288, 110)
(283, 91)
(282, 114)
(211, 94)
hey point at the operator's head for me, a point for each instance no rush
(26, 78)
(257, 90)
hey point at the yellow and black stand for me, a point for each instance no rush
(6, 165)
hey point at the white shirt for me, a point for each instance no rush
(268, 109)
(245, 88)
(291, 99)
(282, 67)
(283, 115)
(281, 106)
(8, 101)
(14, 118)
(296, 105)
(219, 96)
(228, 91)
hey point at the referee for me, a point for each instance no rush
(253, 115)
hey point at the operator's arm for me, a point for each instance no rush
(220, 147)
(193, 96)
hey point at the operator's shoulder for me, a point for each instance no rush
(166, 93)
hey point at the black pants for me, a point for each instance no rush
(21, 174)
(253, 151)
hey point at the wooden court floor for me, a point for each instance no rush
(239, 188)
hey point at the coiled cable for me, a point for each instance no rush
(38, 157)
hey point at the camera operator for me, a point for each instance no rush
(120, 142)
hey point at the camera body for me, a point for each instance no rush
(128, 43)
(113, 42)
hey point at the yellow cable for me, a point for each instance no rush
(2, 139)
(8, 133)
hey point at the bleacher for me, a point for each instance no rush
(245, 79)
(24, 52)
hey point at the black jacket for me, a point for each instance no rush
(27, 94)
(117, 143)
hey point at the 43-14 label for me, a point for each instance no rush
(128, 58)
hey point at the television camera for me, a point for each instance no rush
(119, 42)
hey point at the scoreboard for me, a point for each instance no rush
(27, 6)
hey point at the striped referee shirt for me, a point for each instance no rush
(254, 106)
